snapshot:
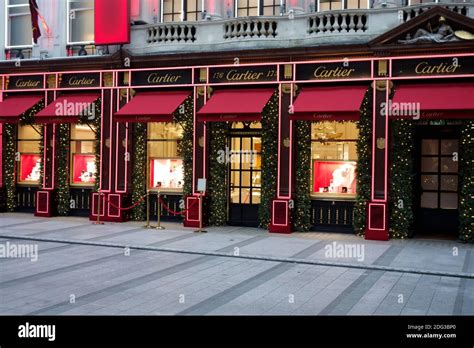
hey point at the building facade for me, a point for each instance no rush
(339, 116)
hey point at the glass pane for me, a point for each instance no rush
(235, 144)
(256, 179)
(257, 162)
(29, 168)
(81, 132)
(82, 26)
(448, 165)
(234, 195)
(449, 146)
(429, 182)
(28, 133)
(28, 146)
(429, 146)
(334, 131)
(237, 125)
(20, 30)
(245, 196)
(449, 201)
(235, 178)
(160, 130)
(245, 179)
(256, 196)
(356, 4)
(18, 2)
(163, 149)
(449, 182)
(429, 200)
(429, 164)
(334, 151)
(79, 4)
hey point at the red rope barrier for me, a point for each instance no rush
(127, 208)
(163, 204)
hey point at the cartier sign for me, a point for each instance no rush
(80, 80)
(25, 82)
(162, 77)
(333, 71)
(433, 66)
(243, 74)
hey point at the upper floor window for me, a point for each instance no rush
(172, 10)
(193, 10)
(18, 31)
(271, 7)
(80, 24)
(327, 5)
(246, 8)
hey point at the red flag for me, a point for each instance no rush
(34, 20)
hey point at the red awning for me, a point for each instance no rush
(434, 101)
(235, 105)
(341, 103)
(155, 106)
(67, 108)
(12, 107)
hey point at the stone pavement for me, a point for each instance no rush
(125, 269)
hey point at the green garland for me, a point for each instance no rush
(269, 160)
(185, 146)
(466, 206)
(139, 177)
(63, 194)
(9, 161)
(302, 210)
(364, 160)
(217, 174)
(401, 180)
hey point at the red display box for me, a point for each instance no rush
(334, 177)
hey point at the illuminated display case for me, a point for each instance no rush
(83, 169)
(334, 178)
(30, 168)
(166, 174)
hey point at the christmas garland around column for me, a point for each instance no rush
(63, 194)
(302, 210)
(466, 171)
(269, 160)
(217, 174)
(9, 161)
(185, 146)
(364, 158)
(401, 179)
(139, 177)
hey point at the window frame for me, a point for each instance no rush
(344, 6)
(8, 27)
(181, 13)
(149, 158)
(68, 25)
(71, 158)
(18, 163)
(260, 8)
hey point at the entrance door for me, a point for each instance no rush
(438, 180)
(244, 177)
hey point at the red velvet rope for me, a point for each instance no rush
(128, 208)
(163, 204)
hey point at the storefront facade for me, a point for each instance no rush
(376, 143)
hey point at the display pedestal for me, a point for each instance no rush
(377, 221)
(109, 212)
(45, 203)
(281, 216)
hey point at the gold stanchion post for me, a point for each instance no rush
(158, 212)
(98, 222)
(147, 210)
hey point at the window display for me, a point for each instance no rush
(30, 168)
(334, 156)
(84, 169)
(166, 173)
(334, 177)
(29, 164)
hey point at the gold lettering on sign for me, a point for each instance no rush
(20, 83)
(249, 75)
(323, 72)
(167, 78)
(424, 68)
(83, 81)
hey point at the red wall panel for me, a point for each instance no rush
(112, 22)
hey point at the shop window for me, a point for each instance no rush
(164, 161)
(29, 164)
(18, 24)
(83, 168)
(246, 8)
(172, 10)
(334, 156)
(193, 10)
(80, 21)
